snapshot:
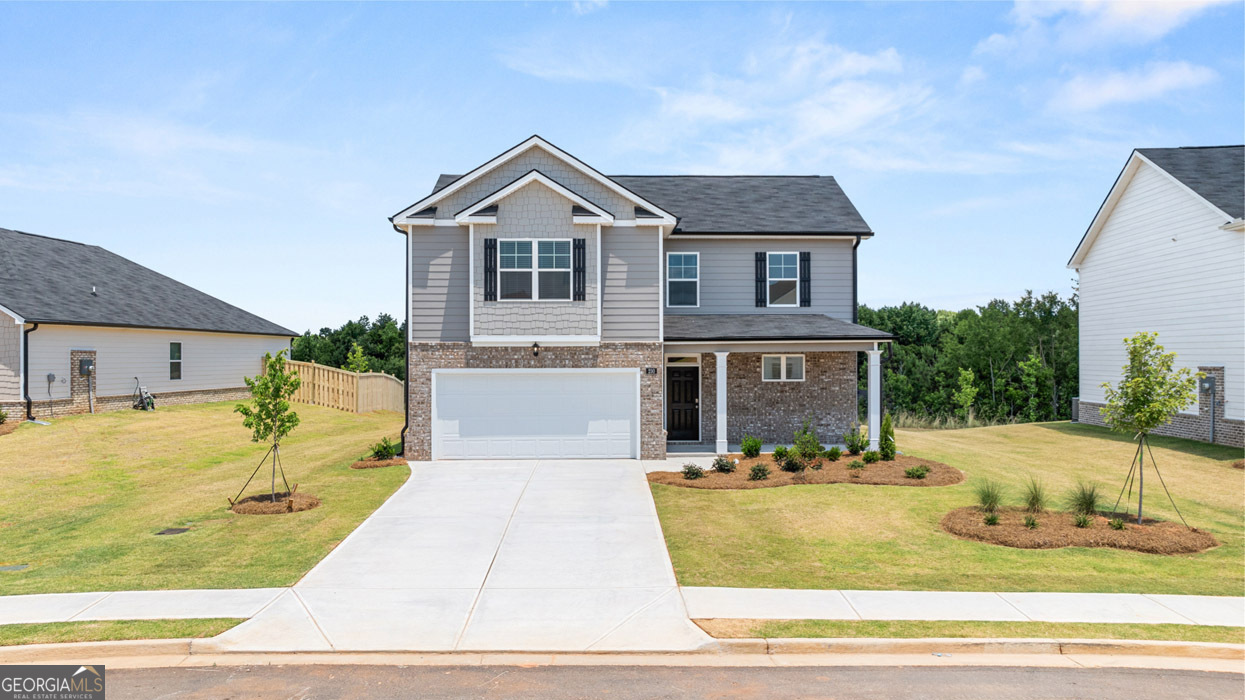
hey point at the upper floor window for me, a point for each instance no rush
(683, 279)
(543, 276)
(783, 279)
(175, 360)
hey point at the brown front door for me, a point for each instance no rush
(683, 403)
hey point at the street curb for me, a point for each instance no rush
(75, 652)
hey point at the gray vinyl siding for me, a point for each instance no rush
(630, 305)
(439, 284)
(728, 275)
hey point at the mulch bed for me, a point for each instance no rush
(370, 463)
(263, 504)
(877, 474)
(1238, 464)
(9, 426)
(1057, 530)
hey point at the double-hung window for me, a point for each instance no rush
(783, 279)
(782, 368)
(545, 275)
(175, 360)
(683, 279)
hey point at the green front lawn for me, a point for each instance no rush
(112, 630)
(82, 499)
(848, 536)
(920, 629)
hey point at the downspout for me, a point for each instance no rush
(26, 373)
(406, 339)
(855, 284)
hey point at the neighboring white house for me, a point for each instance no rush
(1166, 253)
(63, 302)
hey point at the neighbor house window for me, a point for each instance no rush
(683, 279)
(175, 360)
(782, 368)
(548, 278)
(784, 278)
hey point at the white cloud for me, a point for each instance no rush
(1085, 93)
(972, 75)
(583, 7)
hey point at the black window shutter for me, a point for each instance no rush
(580, 275)
(761, 296)
(806, 278)
(490, 269)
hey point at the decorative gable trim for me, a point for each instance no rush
(485, 210)
(664, 217)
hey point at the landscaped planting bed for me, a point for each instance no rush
(1055, 530)
(830, 472)
(373, 463)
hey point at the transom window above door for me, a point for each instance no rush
(783, 279)
(683, 279)
(543, 276)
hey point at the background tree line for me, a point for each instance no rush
(1005, 361)
(381, 346)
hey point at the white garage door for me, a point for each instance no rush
(498, 414)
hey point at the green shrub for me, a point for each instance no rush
(1031, 522)
(3, 416)
(723, 464)
(992, 519)
(386, 449)
(1034, 495)
(854, 441)
(791, 461)
(872, 457)
(920, 471)
(750, 447)
(834, 453)
(759, 472)
(1084, 498)
(806, 442)
(989, 495)
(780, 454)
(855, 464)
(1082, 520)
(691, 472)
(886, 440)
(1116, 524)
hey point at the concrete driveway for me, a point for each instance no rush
(547, 555)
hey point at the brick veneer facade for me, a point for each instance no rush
(1227, 431)
(425, 357)
(773, 411)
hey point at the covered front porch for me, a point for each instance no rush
(764, 375)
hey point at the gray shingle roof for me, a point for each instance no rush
(689, 327)
(49, 280)
(749, 204)
(1217, 173)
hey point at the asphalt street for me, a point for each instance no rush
(636, 682)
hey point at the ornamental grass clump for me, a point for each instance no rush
(1082, 520)
(1034, 495)
(1031, 522)
(991, 519)
(1084, 498)
(989, 495)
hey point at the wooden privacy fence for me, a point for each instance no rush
(345, 390)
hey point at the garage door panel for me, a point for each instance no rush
(521, 415)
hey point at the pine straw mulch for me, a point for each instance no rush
(9, 426)
(372, 463)
(1057, 530)
(263, 504)
(876, 474)
(1238, 464)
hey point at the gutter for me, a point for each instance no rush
(406, 340)
(26, 370)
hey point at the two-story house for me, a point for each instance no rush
(559, 312)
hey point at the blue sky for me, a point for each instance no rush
(255, 151)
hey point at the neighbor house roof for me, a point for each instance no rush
(745, 204)
(50, 280)
(1216, 173)
(742, 327)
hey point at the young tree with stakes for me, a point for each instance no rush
(1149, 393)
(269, 416)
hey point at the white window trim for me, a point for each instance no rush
(181, 360)
(782, 367)
(536, 269)
(796, 279)
(697, 281)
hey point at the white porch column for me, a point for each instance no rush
(720, 395)
(875, 397)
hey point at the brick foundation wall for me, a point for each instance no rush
(57, 408)
(425, 357)
(773, 411)
(1227, 431)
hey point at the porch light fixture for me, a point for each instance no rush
(535, 349)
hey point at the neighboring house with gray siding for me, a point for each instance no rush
(558, 312)
(1165, 254)
(63, 303)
